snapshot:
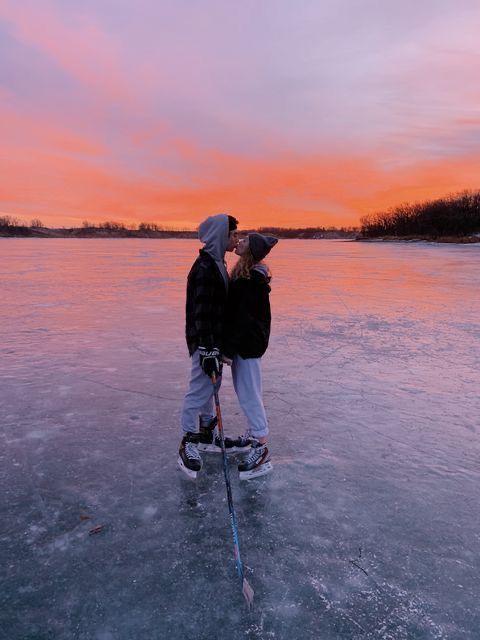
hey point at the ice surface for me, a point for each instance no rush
(367, 528)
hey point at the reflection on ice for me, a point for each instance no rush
(368, 527)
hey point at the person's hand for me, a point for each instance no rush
(210, 361)
(227, 361)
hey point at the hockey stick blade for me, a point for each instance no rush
(246, 588)
(247, 593)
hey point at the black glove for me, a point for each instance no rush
(210, 361)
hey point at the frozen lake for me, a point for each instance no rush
(368, 527)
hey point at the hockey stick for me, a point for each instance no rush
(246, 588)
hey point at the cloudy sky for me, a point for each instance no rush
(280, 112)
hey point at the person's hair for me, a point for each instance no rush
(244, 266)
(232, 223)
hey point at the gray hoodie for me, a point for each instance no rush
(213, 232)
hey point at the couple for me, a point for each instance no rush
(227, 320)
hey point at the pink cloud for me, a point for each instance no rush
(24, 132)
(80, 48)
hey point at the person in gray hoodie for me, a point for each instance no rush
(207, 288)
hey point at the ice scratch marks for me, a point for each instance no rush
(149, 511)
(62, 523)
(355, 564)
(64, 390)
(134, 345)
(376, 611)
(125, 390)
(258, 631)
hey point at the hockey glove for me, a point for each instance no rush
(210, 361)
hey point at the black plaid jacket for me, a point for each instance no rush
(206, 304)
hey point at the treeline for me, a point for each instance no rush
(455, 215)
(11, 226)
(143, 229)
(309, 232)
(112, 225)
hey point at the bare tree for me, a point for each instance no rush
(112, 225)
(454, 215)
(9, 221)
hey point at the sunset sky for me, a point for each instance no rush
(283, 113)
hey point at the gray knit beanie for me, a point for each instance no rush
(260, 245)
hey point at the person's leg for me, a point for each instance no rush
(199, 397)
(247, 382)
(207, 412)
(208, 440)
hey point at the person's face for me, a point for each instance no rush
(242, 247)
(232, 240)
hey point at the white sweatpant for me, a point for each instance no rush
(247, 381)
(199, 398)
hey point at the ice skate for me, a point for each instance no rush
(256, 464)
(189, 459)
(209, 441)
(206, 440)
(241, 444)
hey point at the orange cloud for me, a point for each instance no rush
(287, 190)
(24, 132)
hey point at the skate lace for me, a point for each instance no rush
(191, 451)
(255, 454)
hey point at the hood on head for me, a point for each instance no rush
(213, 232)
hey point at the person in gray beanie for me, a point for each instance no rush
(248, 321)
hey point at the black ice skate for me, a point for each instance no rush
(210, 441)
(207, 434)
(189, 459)
(233, 445)
(257, 463)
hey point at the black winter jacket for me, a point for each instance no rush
(206, 305)
(247, 328)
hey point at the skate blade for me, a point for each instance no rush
(192, 475)
(256, 473)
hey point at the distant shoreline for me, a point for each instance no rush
(28, 232)
(439, 239)
(194, 236)
(285, 234)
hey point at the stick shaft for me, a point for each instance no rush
(226, 472)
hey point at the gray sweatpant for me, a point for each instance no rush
(199, 398)
(247, 381)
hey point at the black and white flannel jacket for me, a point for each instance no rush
(206, 305)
